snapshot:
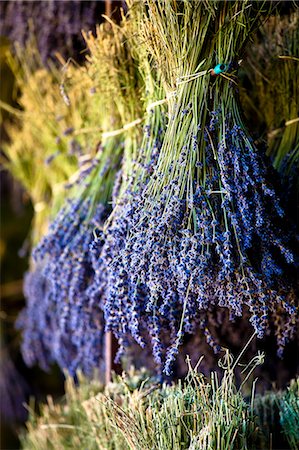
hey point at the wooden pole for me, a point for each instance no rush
(108, 356)
(110, 353)
(108, 8)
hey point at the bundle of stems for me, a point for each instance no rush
(288, 405)
(203, 230)
(121, 81)
(55, 132)
(273, 70)
(134, 412)
(137, 169)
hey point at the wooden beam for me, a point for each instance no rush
(111, 347)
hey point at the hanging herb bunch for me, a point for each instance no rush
(273, 68)
(41, 161)
(58, 309)
(54, 135)
(137, 169)
(202, 228)
(62, 322)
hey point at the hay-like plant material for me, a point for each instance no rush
(272, 66)
(134, 412)
(66, 114)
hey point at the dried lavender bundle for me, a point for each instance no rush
(273, 68)
(63, 260)
(111, 280)
(48, 335)
(61, 322)
(126, 292)
(203, 230)
(137, 169)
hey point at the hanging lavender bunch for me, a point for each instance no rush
(60, 323)
(111, 279)
(133, 287)
(205, 230)
(115, 284)
(66, 253)
(36, 321)
(272, 67)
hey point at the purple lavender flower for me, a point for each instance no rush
(163, 277)
(62, 322)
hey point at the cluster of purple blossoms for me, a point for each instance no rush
(61, 321)
(37, 321)
(163, 277)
